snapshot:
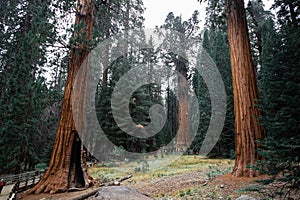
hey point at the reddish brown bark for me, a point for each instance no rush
(247, 127)
(66, 168)
(182, 138)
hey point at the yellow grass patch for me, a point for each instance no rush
(185, 163)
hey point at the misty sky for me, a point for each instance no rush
(157, 10)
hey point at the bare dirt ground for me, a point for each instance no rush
(60, 196)
(191, 185)
(169, 184)
(190, 177)
(194, 186)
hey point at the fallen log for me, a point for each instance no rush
(117, 181)
(94, 191)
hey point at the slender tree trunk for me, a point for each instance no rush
(105, 66)
(106, 59)
(247, 127)
(66, 168)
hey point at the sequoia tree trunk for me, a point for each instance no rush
(247, 127)
(67, 168)
(182, 138)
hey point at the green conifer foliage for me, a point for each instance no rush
(279, 86)
(214, 42)
(26, 31)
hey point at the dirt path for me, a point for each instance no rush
(190, 185)
(195, 185)
(5, 192)
(153, 188)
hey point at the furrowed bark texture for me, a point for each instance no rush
(67, 167)
(247, 127)
(182, 138)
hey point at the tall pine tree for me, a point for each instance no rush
(279, 85)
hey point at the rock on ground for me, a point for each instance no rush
(119, 193)
(245, 197)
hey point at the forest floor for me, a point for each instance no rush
(190, 177)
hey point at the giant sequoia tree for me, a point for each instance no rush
(188, 29)
(66, 169)
(247, 127)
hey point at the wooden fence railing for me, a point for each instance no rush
(10, 179)
(22, 181)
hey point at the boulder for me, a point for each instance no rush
(245, 197)
(119, 193)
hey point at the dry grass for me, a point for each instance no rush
(185, 163)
